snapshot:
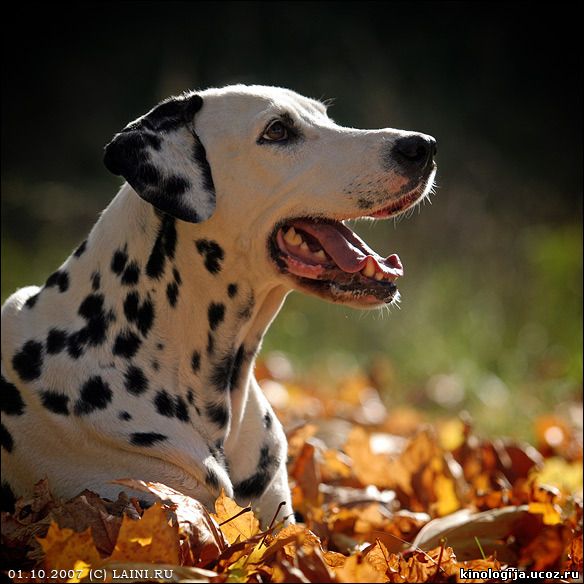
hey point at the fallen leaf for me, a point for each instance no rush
(150, 539)
(235, 524)
(358, 569)
(63, 548)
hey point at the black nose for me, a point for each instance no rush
(414, 152)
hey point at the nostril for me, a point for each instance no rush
(414, 148)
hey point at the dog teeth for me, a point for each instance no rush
(320, 254)
(292, 237)
(369, 270)
(379, 276)
(304, 246)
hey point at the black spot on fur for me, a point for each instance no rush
(140, 314)
(256, 484)
(213, 254)
(28, 361)
(56, 341)
(135, 380)
(218, 414)
(55, 402)
(7, 498)
(363, 203)
(160, 346)
(177, 276)
(125, 416)
(146, 438)
(172, 293)
(81, 249)
(268, 421)
(94, 332)
(127, 344)
(95, 281)
(91, 307)
(155, 365)
(210, 344)
(231, 290)
(175, 185)
(219, 454)
(164, 247)
(181, 409)
(196, 361)
(191, 397)
(246, 312)
(212, 480)
(236, 369)
(200, 157)
(119, 260)
(171, 408)
(221, 371)
(131, 274)
(164, 404)
(11, 402)
(216, 314)
(95, 394)
(6, 440)
(59, 279)
(76, 342)
(31, 301)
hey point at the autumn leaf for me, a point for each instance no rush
(66, 549)
(150, 539)
(371, 468)
(201, 539)
(550, 512)
(235, 523)
(358, 569)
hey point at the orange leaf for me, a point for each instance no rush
(150, 539)
(358, 569)
(550, 512)
(378, 557)
(370, 468)
(64, 548)
(243, 527)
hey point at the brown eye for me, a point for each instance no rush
(276, 132)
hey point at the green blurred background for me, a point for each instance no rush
(491, 316)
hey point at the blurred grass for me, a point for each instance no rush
(490, 321)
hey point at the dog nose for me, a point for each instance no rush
(414, 152)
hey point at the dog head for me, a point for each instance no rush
(271, 168)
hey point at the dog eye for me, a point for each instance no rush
(276, 132)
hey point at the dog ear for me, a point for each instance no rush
(162, 158)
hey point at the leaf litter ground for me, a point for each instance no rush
(378, 498)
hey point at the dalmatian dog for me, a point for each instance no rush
(135, 358)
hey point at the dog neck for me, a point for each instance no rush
(181, 301)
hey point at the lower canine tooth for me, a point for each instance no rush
(369, 269)
(320, 254)
(304, 246)
(379, 275)
(289, 235)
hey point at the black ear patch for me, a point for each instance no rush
(164, 161)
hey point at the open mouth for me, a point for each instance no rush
(329, 259)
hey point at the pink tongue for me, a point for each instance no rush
(348, 250)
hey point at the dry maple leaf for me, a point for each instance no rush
(66, 549)
(235, 522)
(358, 569)
(150, 539)
(201, 538)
